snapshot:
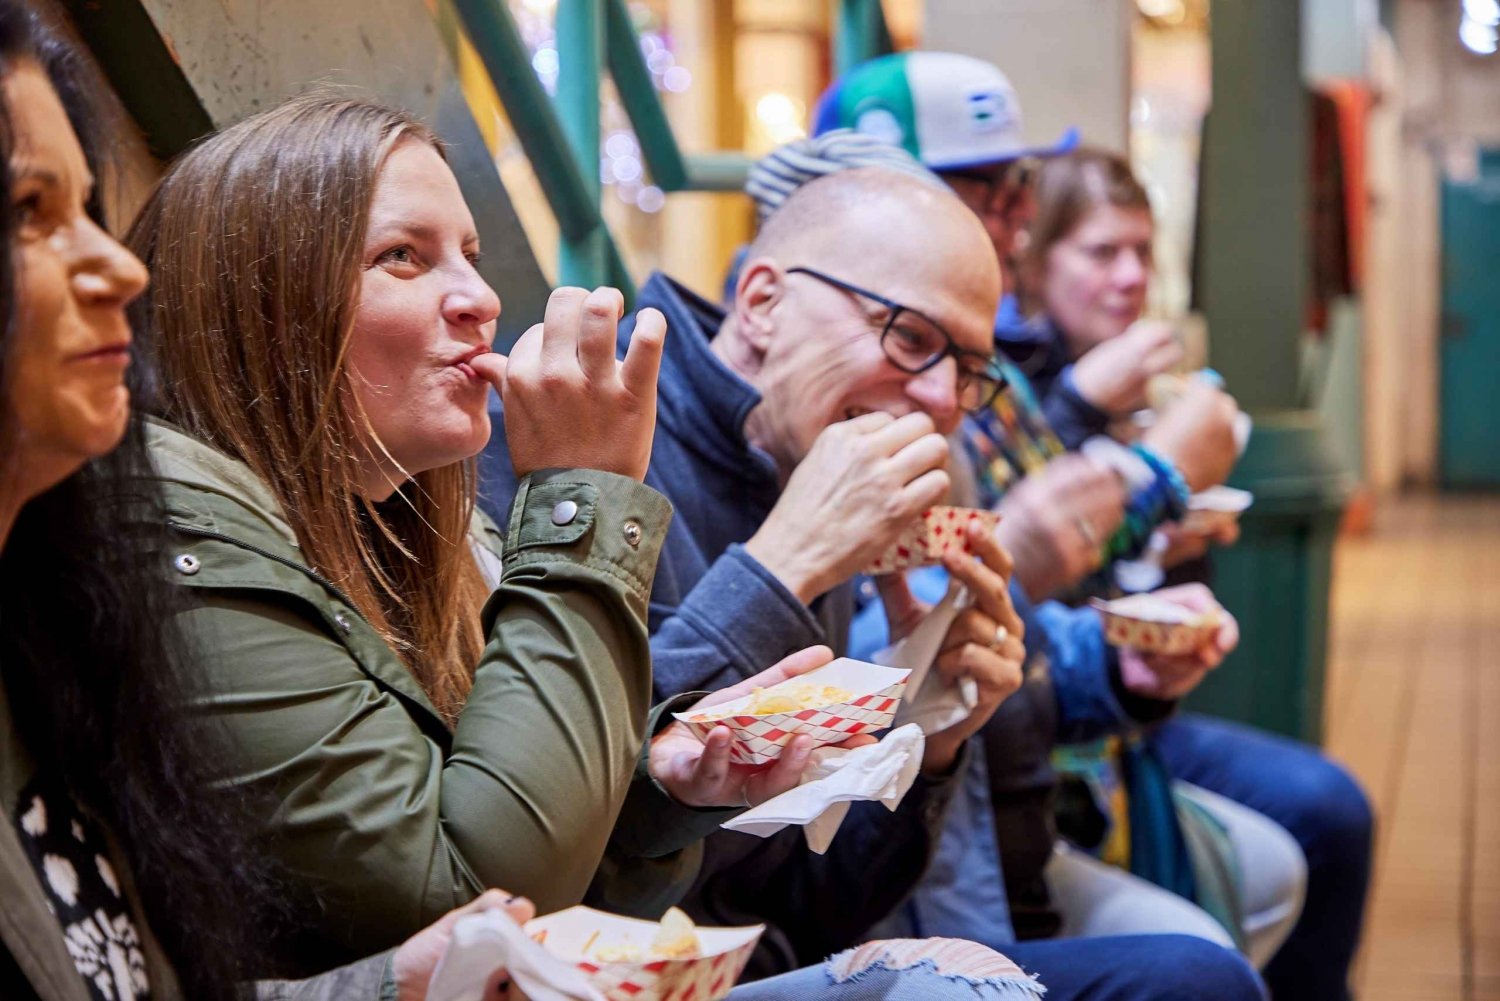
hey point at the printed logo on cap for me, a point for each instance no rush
(989, 111)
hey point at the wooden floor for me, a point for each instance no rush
(1414, 708)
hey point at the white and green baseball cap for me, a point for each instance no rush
(949, 111)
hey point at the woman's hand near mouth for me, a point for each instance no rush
(569, 403)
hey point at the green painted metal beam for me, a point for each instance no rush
(143, 71)
(718, 171)
(618, 275)
(583, 259)
(496, 38)
(642, 103)
(862, 34)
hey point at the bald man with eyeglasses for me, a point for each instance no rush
(800, 429)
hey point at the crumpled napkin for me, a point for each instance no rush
(833, 779)
(929, 703)
(485, 941)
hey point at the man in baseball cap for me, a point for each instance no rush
(961, 118)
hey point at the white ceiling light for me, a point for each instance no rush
(1478, 37)
(1171, 9)
(1483, 11)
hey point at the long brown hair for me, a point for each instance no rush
(1068, 188)
(254, 240)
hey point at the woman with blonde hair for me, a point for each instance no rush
(432, 708)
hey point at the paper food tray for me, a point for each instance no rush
(1156, 625)
(940, 530)
(707, 977)
(876, 695)
(1211, 509)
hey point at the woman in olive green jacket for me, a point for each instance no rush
(432, 711)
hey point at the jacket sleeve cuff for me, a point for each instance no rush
(372, 978)
(1085, 673)
(748, 613)
(388, 978)
(1071, 416)
(1141, 709)
(609, 522)
(652, 823)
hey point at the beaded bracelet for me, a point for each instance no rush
(1176, 488)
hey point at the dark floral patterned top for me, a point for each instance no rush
(69, 852)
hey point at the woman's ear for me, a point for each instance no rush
(759, 291)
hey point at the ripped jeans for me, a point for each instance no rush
(937, 969)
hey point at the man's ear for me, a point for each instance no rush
(757, 294)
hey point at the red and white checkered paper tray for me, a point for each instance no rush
(876, 695)
(706, 977)
(940, 530)
(1156, 625)
(1214, 508)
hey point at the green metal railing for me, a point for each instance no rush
(561, 136)
(862, 34)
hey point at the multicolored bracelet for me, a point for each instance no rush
(1177, 492)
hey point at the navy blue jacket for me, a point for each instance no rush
(716, 617)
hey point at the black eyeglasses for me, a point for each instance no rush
(914, 342)
(1015, 173)
(1005, 182)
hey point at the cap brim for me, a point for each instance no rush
(1069, 142)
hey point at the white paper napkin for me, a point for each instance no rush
(1243, 425)
(491, 939)
(930, 703)
(833, 779)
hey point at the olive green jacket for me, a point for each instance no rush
(388, 817)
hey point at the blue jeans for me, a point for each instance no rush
(1322, 807)
(1138, 968)
(1117, 968)
(850, 976)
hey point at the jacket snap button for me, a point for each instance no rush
(633, 533)
(343, 622)
(564, 513)
(187, 563)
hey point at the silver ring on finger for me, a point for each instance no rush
(1090, 537)
(1001, 635)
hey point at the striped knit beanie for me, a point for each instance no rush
(786, 168)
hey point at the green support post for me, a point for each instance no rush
(638, 93)
(580, 50)
(1255, 201)
(498, 42)
(1253, 289)
(862, 34)
(561, 138)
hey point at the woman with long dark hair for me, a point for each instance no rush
(123, 873)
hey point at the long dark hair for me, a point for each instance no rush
(93, 666)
